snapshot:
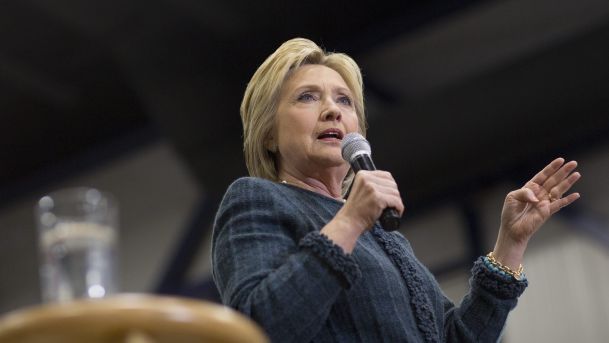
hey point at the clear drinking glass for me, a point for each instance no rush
(77, 238)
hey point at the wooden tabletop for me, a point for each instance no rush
(129, 318)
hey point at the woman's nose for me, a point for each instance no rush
(331, 112)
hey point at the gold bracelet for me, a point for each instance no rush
(516, 274)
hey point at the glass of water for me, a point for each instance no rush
(77, 230)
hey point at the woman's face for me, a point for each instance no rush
(315, 111)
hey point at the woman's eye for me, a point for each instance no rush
(306, 97)
(345, 100)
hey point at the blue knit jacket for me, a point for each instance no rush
(271, 263)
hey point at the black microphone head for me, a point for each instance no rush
(354, 144)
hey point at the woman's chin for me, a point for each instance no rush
(332, 161)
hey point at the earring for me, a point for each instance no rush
(271, 147)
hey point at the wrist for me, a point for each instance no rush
(498, 267)
(343, 232)
(348, 222)
(509, 252)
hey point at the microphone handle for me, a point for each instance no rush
(390, 218)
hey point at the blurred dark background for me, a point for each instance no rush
(457, 90)
(461, 95)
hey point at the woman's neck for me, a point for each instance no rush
(330, 186)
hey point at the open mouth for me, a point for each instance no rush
(331, 134)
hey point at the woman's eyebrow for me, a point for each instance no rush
(318, 88)
(344, 90)
(308, 87)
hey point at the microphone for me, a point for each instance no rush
(356, 150)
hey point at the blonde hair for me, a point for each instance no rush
(261, 98)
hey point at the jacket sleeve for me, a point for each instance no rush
(285, 280)
(482, 314)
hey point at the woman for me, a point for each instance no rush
(309, 266)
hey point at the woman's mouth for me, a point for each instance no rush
(331, 135)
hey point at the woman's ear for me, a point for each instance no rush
(271, 144)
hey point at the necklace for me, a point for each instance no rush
(289, 183)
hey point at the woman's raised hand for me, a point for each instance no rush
(526, 209)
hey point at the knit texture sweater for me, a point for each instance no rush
(270, 262)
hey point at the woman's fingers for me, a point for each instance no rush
(388, 190)
(555, 179)
(556, 205)
(564, 186)
(559, 175)
(397, 203)
(548, 171)
(382, 186)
